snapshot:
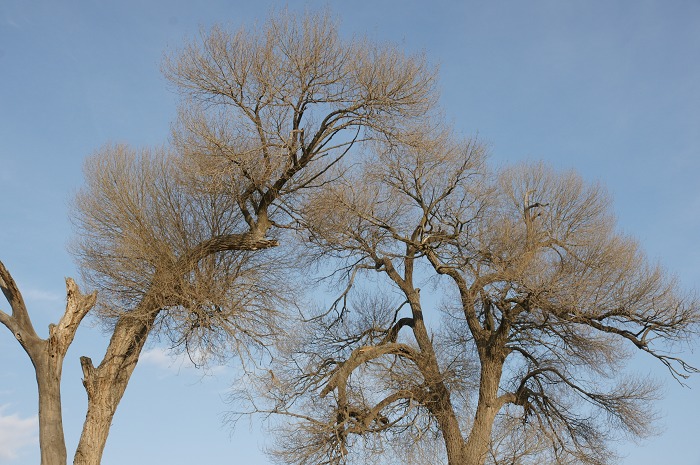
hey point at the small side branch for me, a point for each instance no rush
(88, 372)
(679, 369)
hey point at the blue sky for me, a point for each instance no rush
(609, 88)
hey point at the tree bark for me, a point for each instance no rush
(476, 448)
(443, 412)
(47, 356)
(106, 384)
(48, 366)
(441, 405)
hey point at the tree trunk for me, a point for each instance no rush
(47, 367)
(476, 449)
(47, 356)
(449, 426)
(106, 384)
(441, 406)
(101, 408)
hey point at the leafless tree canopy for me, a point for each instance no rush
(542, 303)
(183, 240)
(267, 112)
(146, 233)
(290, 138)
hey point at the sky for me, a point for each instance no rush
(608, 88)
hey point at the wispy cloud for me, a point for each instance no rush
(12, 23)
(16, 433)
(175, 363)
(157, 357)
(39, 295)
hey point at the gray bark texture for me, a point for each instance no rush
(47, 356)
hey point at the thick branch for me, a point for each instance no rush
(394, 331)
(363, 355)
(19, 323)
(373, 415)
(77, 306)
(245, 241)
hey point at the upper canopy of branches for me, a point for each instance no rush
(266, 112)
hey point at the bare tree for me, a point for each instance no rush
(47, 356)
(172, 238)
(543, 303)
(177, 240)
(163, 257)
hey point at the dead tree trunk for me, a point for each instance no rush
(48, 377)
(47, 356)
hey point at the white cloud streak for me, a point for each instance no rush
(16, 433)
(158, 357)
(38, 295)
(175, 363)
